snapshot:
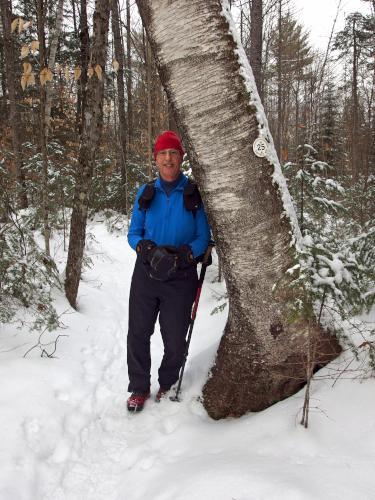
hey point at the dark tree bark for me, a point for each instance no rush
(129, 80)
(41, 8)
(149, 107)
(120, 57)
(92, 125)
(52, 51)
(256, 39)
(279, 85)
(85, 54)
(3, 73)
(11, 82)
(74, 18)
(262, 358)
(355, 159)
(4, 92)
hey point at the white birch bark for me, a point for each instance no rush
(261, 358)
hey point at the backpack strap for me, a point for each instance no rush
(192, 197)
(147, 195)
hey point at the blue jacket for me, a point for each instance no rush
(167, 222)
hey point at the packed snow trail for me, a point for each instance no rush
(65, 432)
(113, 437)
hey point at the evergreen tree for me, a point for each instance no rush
(289, 69)
(353, 44)
(329, 136)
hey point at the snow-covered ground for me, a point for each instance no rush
(65, 432)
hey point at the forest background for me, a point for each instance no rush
(320, 105)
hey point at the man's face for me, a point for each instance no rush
(168, 162)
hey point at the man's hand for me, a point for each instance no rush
(185, 257)
(145, 249)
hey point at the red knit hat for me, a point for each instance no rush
(168, 140)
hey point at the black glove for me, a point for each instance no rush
(185, 257)
(163, 263)
(201, 257)
(145, 249)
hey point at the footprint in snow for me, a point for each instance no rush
(169, 425)
(147, 463)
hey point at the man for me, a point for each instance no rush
(169, 231)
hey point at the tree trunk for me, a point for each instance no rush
(120, 57)
(11, 82)
(297, 134)
(129, 81)
(149, 108)
(41, 17)
(51, 64)
(262, 357)
(279, 85)
(85, 53)
(256, 40)
(355, 135)
(172, 125)
(92, 125)
(73, 2)
(3, 75)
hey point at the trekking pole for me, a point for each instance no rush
(205, 264)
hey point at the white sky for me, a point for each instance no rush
(318, 16)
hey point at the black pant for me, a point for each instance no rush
(172, 300)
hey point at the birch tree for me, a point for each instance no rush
(262, 356)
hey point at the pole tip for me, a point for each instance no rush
(175, 399)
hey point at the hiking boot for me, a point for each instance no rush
(137, 401)
(161, 394)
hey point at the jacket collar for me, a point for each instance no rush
(180, 186)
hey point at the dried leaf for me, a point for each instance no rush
(31, 79)
(42, 77)
(34, 46)
(77, 73)
(26, 25)
(58, 68)
(67, 73)
(20, 25)
(99, 71)
(115, 65)
(27, 68)
(14, 24)
(23, 81)
(45, 76)
(90, 72)
(24, 51)
(27, 79)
